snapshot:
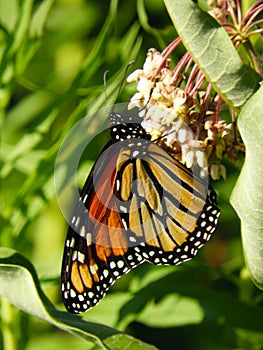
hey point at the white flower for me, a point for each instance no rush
(188, 157)
(182, 135)
(204, 172)
(168, 116)
(152, 127)
(137, 100)
(218, 170)
(135, 76)
(153, 61)
(192, 153)
(145, 86)
(201, 158)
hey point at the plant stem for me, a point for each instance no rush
(7, 320)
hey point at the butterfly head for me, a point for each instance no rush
(125, 128)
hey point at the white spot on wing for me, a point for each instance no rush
(85, 198)
(72, 242)
(81, 298)
(89, 238)
(93, 269)
(106, 273)
(82, 231)
(112, 265)
(124, 224)
(77, 222)
(74, 255)
(123, 209)
(81, 257)
(72, 293)
(120, 264)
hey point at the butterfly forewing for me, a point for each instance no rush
(97, 251)
(138, 204)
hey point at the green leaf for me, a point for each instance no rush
(19, 284)
(144, 20)
(39, 18)
(26, 111)
(199, 302)
(22, 25)
(9, 11)
(173, 310)
(104, 310)
(247, 196)
(212, 50)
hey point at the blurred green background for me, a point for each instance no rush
(52, 66)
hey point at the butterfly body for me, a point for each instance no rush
(138, 204)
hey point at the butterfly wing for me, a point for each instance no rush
(96, 251)
(138, 204)
(171, 212)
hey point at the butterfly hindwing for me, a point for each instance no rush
(170, 211)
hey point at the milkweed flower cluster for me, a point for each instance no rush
(176, 117)
(179, 108)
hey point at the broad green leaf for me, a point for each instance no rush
(212, 50)
(173, 310)
(247, 196)
(203, 301)
(19, 284)
(103, 311)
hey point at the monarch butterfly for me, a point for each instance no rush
(138, 204)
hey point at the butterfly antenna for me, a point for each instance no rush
(148, 101)
(163, 136)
